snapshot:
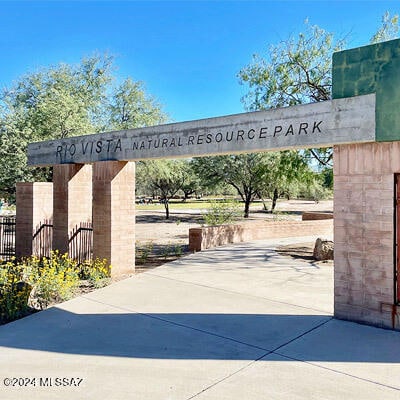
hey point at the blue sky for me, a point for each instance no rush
(188, 53)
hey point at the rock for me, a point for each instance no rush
(323, 249)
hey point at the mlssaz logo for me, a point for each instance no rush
(54, 382)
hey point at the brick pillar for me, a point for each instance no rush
(34, 208)
(114, 214)
(364, 232)
(72, 201)
(364, 189)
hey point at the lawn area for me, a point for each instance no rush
(192, 204)
(176, 205)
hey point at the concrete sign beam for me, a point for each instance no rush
(341, 121)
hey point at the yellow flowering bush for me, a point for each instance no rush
(97, 272)
(54, 279)
(51, 280)
(14, 293)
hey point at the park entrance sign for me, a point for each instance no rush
(94, 177)
(350, 120)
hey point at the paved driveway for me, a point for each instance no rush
(239, 322)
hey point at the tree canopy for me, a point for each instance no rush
(295, 71)
(62, 101)
(255, 174)
(166, 177)
(388, 30)
(68, 100)
(130, 107)
(298, 70)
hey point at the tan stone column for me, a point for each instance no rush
(364, 232)
(114, 214)
(34, 208)
(72, 201)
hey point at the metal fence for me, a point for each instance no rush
(80, 242)
(7, 238)
(42, 240)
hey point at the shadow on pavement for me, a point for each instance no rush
(200, 336)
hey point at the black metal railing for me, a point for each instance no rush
(81, 242)
(7, 238)
(42, 239)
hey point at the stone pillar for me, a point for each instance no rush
(364, 232)
(364, 188)
(114, 214)
(34, 208)
(72, 184)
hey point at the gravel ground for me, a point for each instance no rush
(151, 226)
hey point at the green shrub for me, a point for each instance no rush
(178, 251)
(222, 212)
(142, 252)
(166, 251)
(315, 192)
(278, 215)
(171, 250)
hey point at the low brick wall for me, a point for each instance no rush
(314, 216)
(214, 236)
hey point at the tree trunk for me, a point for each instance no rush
(265, 206)
(247, 207)
(166, 205)
(274, 200)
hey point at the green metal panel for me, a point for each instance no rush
(372, 69)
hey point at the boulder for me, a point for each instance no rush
(323, 249)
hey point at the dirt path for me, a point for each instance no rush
(151, 226)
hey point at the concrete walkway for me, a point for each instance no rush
(239, 322)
